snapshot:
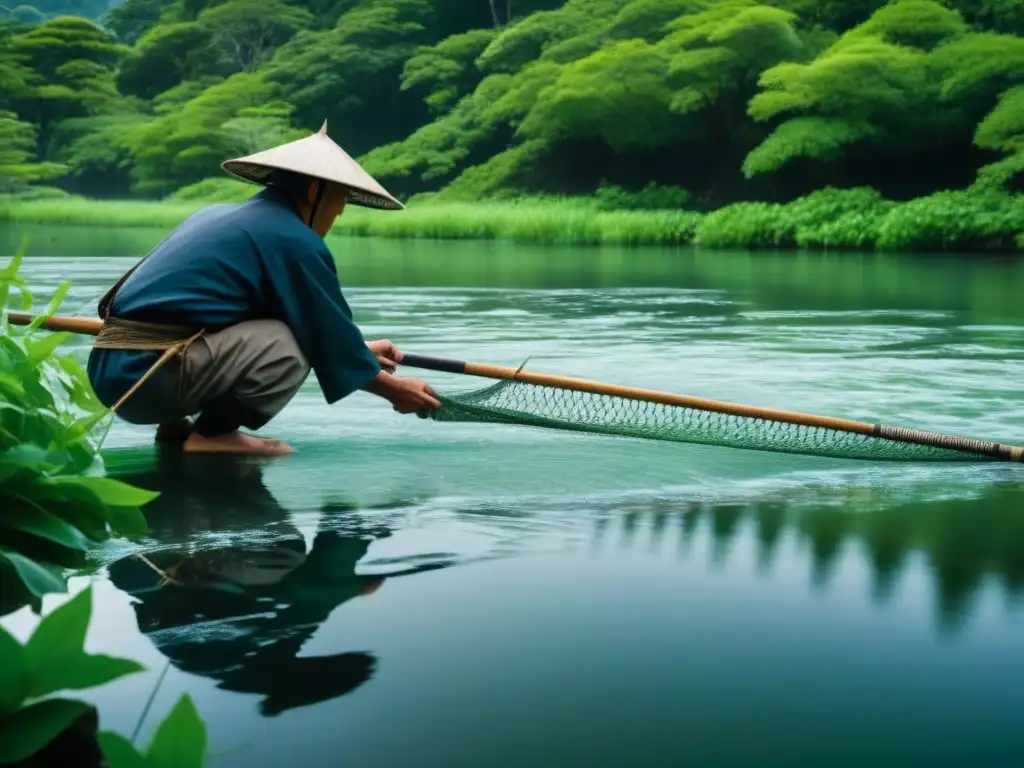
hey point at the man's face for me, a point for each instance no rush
(331, 206)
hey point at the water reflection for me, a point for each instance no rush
(235, 592)
(966, 542)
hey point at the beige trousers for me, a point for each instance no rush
(241, 376)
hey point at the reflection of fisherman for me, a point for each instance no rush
(240, 613)
(245, 301)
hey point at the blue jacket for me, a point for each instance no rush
(231, 263)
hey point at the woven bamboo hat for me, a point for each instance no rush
(318, 157)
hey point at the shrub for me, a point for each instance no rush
(55, 504)
(970, 220)
(214, 191)
(653, 197)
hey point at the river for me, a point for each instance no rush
(470, 594)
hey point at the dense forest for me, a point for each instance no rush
(700, 102)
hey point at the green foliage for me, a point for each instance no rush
(179, 742)
(835, 219)
(439, 148)
(1004, 175)
(648, 19)
(214, 191)
(1003, 129)
(591, 96)
(974, 220)
(72, 63)
(817, 219)
(247, 31)
(91, 213)
(95, 151)
(503, 176)
(683, 73)
(54, 659)
(35, 192)
(521, 43)
(18, 166)
(165, 56)
(717, 54)
(351, 74)
(181, 146)
(55, 507)
(16, 77)
(729, 99)
(541, 220)
(653, 197)
(447, 71)
(859, 219)
(977, 68)
(131, 19)
(921, 24)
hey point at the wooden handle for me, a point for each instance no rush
(633, 393)
(88, 326)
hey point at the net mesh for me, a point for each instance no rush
(514, 402)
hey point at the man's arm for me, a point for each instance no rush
(309, 301)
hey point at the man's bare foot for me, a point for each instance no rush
(236, 442)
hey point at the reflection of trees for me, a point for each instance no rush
(964, 542)
(234, 592)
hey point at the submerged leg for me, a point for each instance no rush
(242, 376)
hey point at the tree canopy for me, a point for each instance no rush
(728, 99)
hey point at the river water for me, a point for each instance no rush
(403, 592)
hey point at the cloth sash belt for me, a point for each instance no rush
(118, 333)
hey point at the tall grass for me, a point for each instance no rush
(561, 221)
(831, 219)
(101, 213)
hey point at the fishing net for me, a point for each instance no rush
(516, 402)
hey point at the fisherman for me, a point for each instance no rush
(227, 316)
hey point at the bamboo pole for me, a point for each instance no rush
(633, 393)
(92, 326)
(88, 326)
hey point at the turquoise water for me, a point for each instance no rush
(413, 593)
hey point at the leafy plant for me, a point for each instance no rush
(56, 505)
(54, 659)
(179, 742)
(653, 197)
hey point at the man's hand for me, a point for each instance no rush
(406, 395)
(387, 354)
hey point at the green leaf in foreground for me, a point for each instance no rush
(128, 521)
(39, 579)
(55, 657)
(25, 457)
(180, 741)
(85, 671)
(12, 673)
(61, 635)
(40, 349)
(111, 492)
(30, 729)
(32, 519)
(119, 752)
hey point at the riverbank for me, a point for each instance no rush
(854, 219)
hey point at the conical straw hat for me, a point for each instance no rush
(319, 157)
